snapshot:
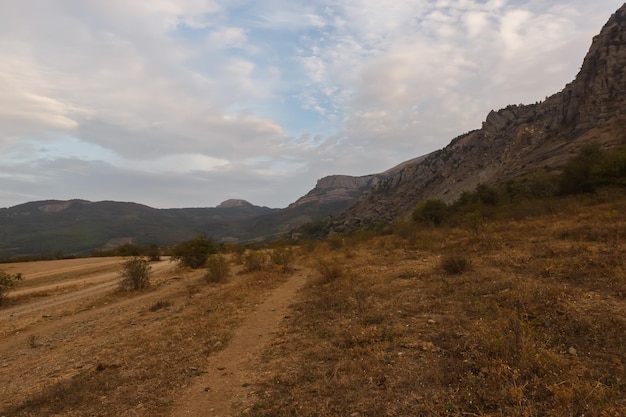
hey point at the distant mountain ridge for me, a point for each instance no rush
(511, 142)
(78, 226)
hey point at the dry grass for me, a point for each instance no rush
(537, 326)
(133, 358)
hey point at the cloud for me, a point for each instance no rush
(257, 100)
(228, 37)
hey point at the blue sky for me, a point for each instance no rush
(186, 103)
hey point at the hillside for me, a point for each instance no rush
(517, 139)
(78, 226)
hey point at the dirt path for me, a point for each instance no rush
(225, 390)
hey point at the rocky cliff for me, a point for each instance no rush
(516, 139)
(333, 189)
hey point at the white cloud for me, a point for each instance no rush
(258, 99)
(228, 37)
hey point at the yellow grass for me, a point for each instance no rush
(536, 325)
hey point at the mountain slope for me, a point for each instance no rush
(516, 139)
(78, 226)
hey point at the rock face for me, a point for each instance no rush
(234, 203)
(342, 189)
(514, 140)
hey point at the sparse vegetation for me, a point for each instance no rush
(7, 281)
(329, 270)
(536, 326)
(159, 305)
(254, 260)
(217, 269)
(135, 274)
(33, 341)
(454, 264)
(283, 258)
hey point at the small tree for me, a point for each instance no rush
(194, 253)
(135, 274)
(7, 281)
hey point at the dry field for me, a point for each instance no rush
(73, 344)
(505, 318)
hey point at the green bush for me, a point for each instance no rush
(577, 175)
(217, 269)
(7, 281)
(612, 166)
(432, 211)
(534, 185)
(194, 253)
(135, 274)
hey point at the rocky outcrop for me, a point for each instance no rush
(514, 140)
(597, 94)
(345, 189)
(336, 189)
(234, 203)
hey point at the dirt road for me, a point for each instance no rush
(225, 390)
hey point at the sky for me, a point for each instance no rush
(187, 103)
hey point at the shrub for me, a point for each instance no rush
(135, 274)
(536, 184)
(577, 173)
(487, 195)
(194, 253)
(7, 281)
(128, 249)
(254, 261)
(335, 242)
(217, 268)
(454, 264)
(432, 211)
(612, 166)
(329, 270)
(283, 258)
(153, 253)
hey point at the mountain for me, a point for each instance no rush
(511, 142)
(514, 140)
(234, 203)
(78, 226)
